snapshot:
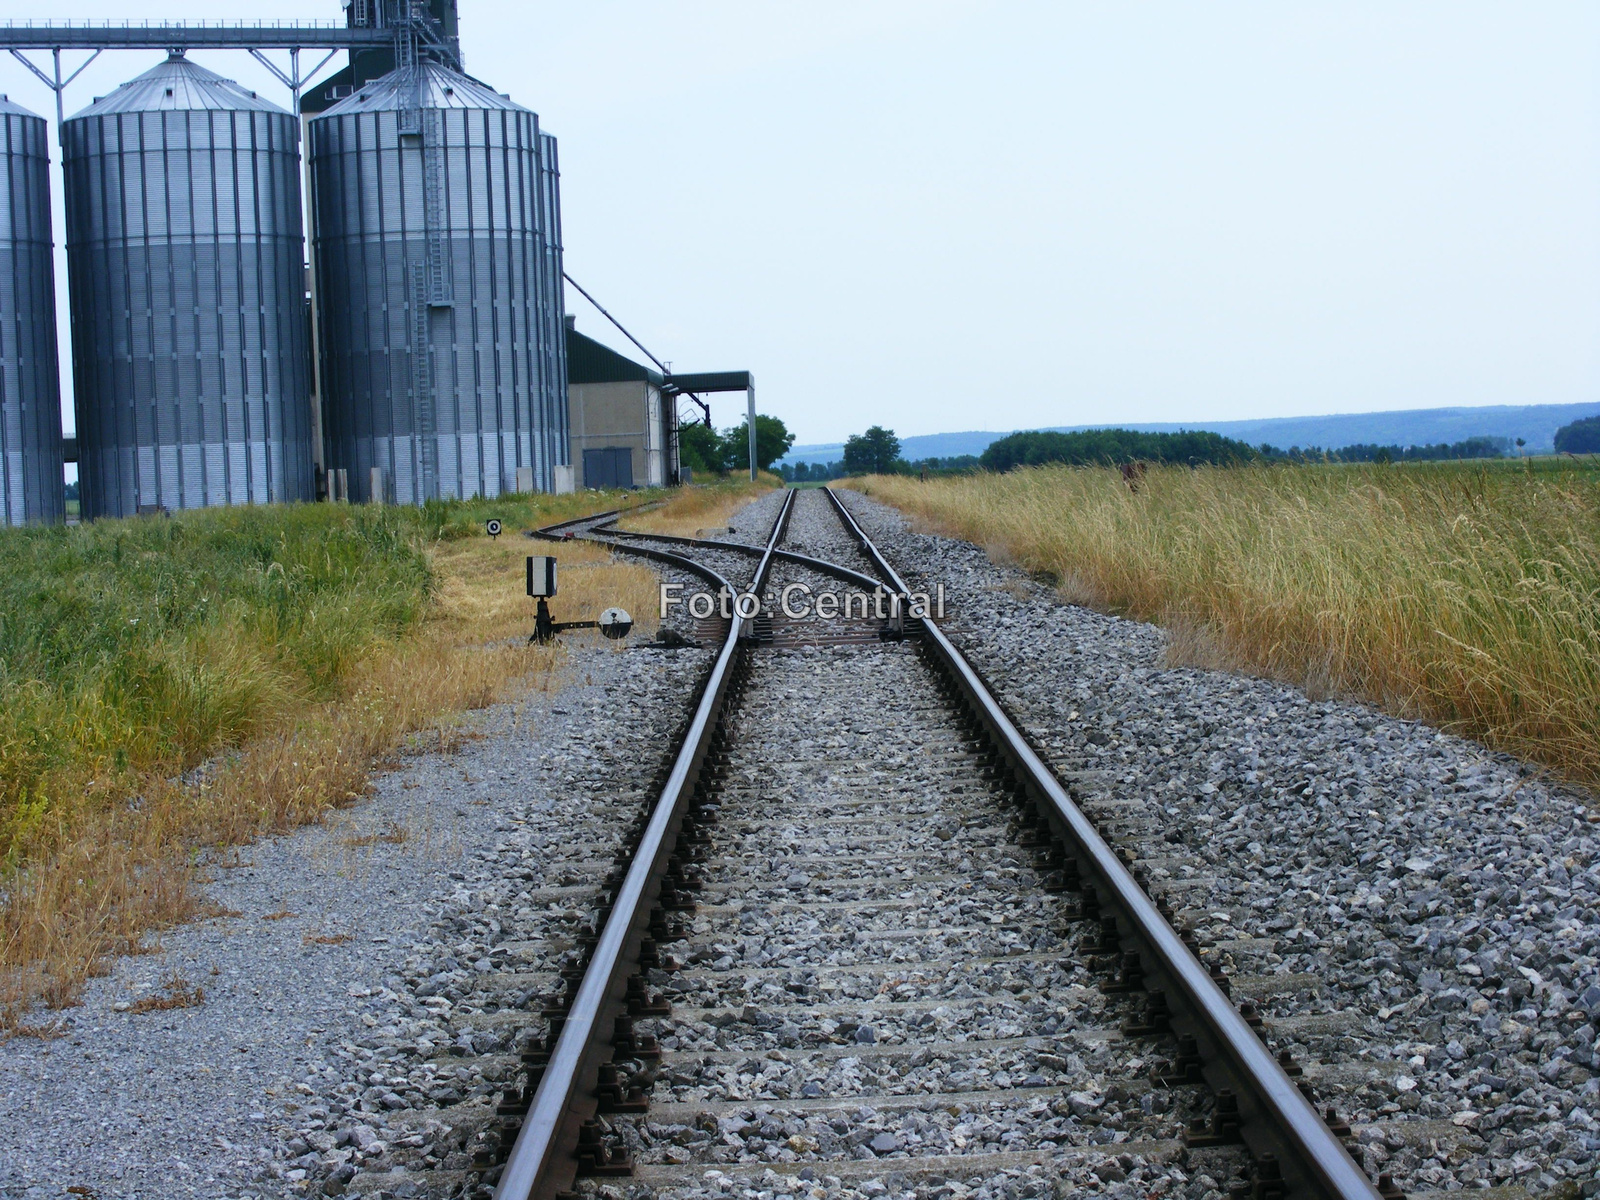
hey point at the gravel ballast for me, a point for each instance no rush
(353, 1007)
(1417, 917)
(876, 995)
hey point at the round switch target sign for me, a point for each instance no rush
(615, 623)
(493, 527)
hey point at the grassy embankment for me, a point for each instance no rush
(284, 649)
(1463, 594)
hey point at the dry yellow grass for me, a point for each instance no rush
(701, 507)
(1466, 595)
(481, 586)
(178, 993)
(103, 870)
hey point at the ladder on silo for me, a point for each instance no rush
(425, 427)
(433, 201)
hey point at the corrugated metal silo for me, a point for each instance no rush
(553, 297)
(185, 258)
(30, 386)
(435, 231)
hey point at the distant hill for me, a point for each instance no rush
(1534, 423)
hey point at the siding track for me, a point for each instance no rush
(865, 943)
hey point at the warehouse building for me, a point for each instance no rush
(624, 430)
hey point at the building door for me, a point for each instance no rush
(608, 467)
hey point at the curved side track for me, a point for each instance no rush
(544, 1158)
(1295, 1151)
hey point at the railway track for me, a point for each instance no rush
(860, 940)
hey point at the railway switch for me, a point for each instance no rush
(614, 623)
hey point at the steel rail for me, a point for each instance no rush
(608, 517)
(542, 1161)
(1276, 1117)
(550, 532)
(822, 566)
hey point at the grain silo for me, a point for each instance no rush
(552, 302)
(186, 263)
(30, 387)
(438, 276)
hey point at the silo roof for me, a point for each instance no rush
(11, 108)
(178, 84)
(427, 85)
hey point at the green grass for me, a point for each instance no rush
(128, 646)
(286, 648)
(148, 645)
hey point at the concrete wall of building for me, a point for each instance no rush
(629, 413)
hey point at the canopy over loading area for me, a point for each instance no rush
(719, 381)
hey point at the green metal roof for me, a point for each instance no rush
(588, 361)
(712, 381)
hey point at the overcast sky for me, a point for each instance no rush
(941, 215)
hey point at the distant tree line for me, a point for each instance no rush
(1472, 447)
(953, 464)
(877, 452)
(1196, 447)
(1109, 447)
(807, 472)
(1580, 437)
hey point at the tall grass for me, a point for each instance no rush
(282, 648)
(1467, 595)
(136, 646)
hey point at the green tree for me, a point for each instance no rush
(699, 447)
(1580, 437)
(1114, 446)
(773, 440)
(871, 453)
